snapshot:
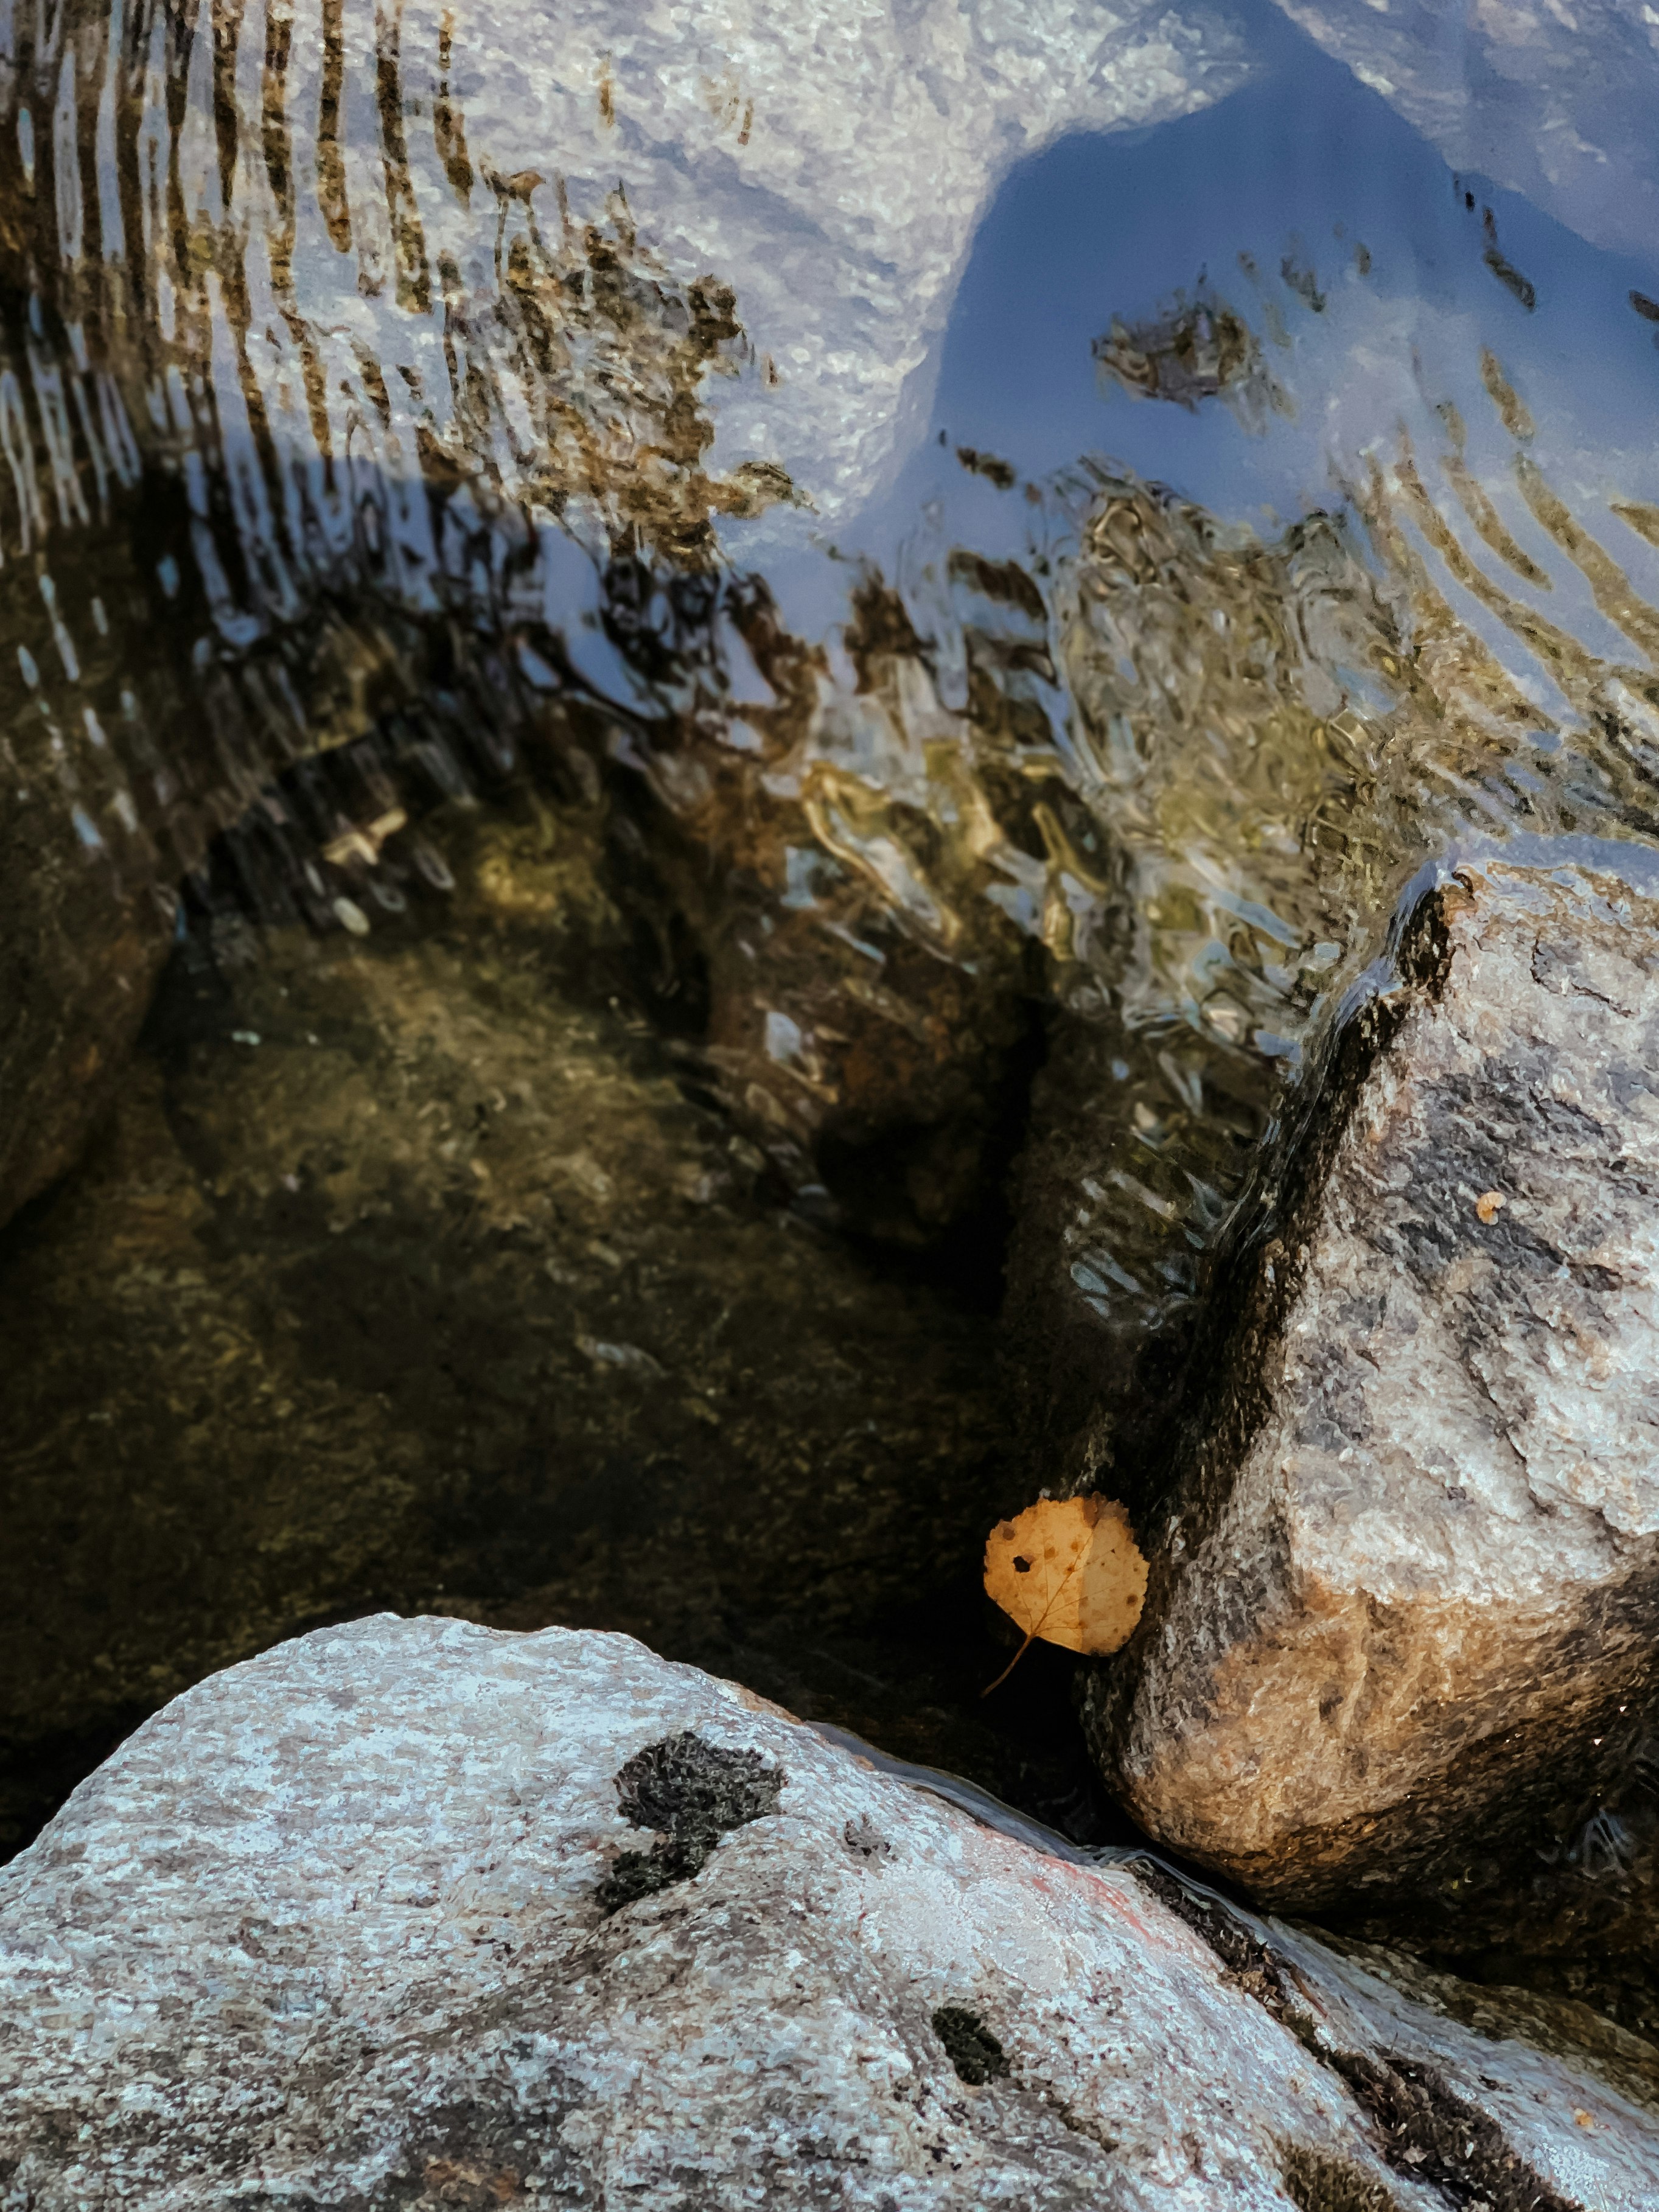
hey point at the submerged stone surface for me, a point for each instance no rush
(1402, 1615)
(333, 1930)
(408, 1274)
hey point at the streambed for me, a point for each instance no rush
(689, 830)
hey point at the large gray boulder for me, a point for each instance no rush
(1402, 1607)
(411, 1913)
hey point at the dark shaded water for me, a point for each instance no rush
(648, 672)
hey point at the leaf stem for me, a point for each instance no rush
(1031, 1639)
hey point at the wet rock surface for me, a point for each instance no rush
(332, 1929)
(1555, 109)
(1398, 1648)
(407, 1272)
(80, 955)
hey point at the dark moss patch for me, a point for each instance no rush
(969, 2045)
(1246, 1957)
(1316, 2182)
(1424, 2129)
(1431, 2133)
(692, 1793)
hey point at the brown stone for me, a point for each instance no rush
(1402, 1606)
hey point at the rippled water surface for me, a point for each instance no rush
(654, 657)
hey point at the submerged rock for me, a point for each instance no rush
(408, 1272)
(80, 952)
(1402, 1609)
(358, 1924)
(92, 836)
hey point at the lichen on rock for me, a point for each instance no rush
(692, 1793)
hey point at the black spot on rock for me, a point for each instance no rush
(969, 2044)
(865, 1840)
(692, 1793)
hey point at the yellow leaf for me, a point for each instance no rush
(1069, 1571)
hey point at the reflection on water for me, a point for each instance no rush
(416, 421)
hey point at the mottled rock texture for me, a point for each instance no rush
(1403, 1607)
(359, 1923)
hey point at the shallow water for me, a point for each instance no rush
(626, 635)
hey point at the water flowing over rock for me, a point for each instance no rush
(325, 330)
(341, 356)
(828, 163)
(409, 1913)
(1403, 1603)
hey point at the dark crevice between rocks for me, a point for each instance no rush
(969, 2045)
(1424, 2130)
(966, 1260)
(1245, 1956)
(692, 1793)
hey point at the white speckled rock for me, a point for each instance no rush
(330, 1931)
(1412, 1579)
(1552, 101)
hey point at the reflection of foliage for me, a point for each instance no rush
(578, 386)
(840, 862)
(1181, 779)
(1196, 348)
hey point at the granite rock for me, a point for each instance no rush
(359, 1924)
(1402, 1606)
